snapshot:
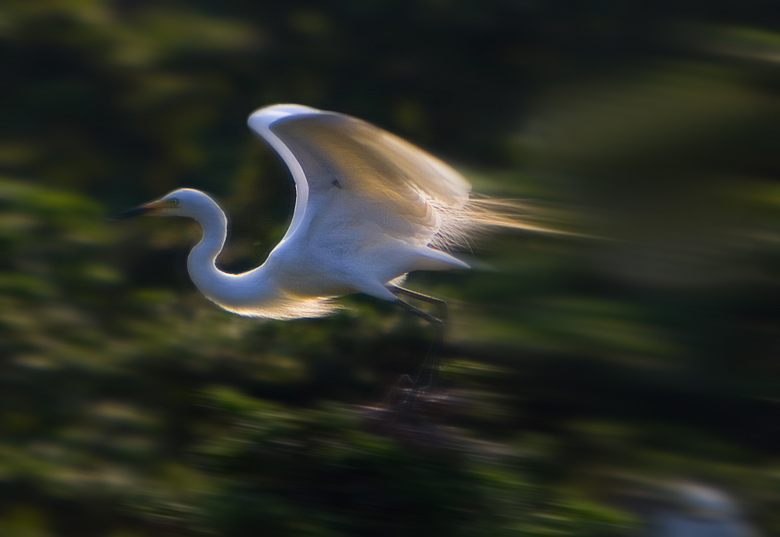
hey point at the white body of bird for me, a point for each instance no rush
(370, 207)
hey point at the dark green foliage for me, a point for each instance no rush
(358, 483)
(581, 373)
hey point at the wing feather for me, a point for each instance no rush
(404, 190)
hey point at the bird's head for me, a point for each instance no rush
(182, 202)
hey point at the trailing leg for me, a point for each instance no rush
(438, 303)
(438, 323)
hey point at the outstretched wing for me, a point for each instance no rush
(402, 190)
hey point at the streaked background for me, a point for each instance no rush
(619, 380)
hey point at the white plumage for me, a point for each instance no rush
(370, 207)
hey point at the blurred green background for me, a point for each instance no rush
(580, 377)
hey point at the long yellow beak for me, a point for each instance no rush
(147, 208)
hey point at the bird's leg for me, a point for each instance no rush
(440, 305)
(438, 323)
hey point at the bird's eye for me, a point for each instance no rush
(174, 201)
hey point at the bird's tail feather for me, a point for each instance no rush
(460, 225)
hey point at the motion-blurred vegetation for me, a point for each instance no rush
(581, 373)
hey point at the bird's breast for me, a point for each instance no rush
(311, 272)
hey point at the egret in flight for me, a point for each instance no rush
(370, 208)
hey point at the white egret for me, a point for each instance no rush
(370, 208)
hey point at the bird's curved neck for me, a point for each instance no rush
(202, 260)
(231, 291)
